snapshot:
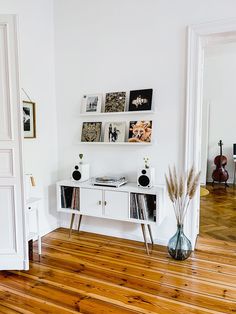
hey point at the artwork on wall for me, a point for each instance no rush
(91, 132)
(114, 132)
(29, 124)
(140, 100)
(91, 103)
(115, 102)
(140, 131)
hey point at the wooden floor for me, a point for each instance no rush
(98, 274)
(218, 213)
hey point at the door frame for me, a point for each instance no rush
(200, 36)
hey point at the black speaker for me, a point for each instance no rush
(81, 173)
(234, 150)
(76, 174)
(145, 177)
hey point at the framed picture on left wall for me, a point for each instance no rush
(29, 124)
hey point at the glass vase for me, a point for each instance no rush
(179, 246)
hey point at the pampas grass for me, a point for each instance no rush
(181, 191)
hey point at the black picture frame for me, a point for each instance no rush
(29, 119)
(140, 100)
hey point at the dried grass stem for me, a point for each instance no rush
(181, 191)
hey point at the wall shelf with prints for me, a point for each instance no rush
(115, 144)
(123, 113)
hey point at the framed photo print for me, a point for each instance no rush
(140, 131)
(140, 100)
(114, 132)
(91, 103)
(29, 124)
(91, 132)
(115, 102)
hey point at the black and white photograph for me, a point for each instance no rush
(29, 119)
(140, 131)
(91, 103)
(91, 132)
(140, 100)
(114, 132)
(115, 102)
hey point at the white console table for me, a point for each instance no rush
(110, 203)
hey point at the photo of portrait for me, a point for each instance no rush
(91, 103)
(115, 102)
(29, 119)
(91, 132)
(114, 132)
(140, 100)
(140, 131)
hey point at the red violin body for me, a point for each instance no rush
(220, 174)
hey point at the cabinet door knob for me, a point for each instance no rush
(105, 203)
(100, 203)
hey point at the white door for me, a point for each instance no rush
(13, 252)
(91, 202)
(116, 204)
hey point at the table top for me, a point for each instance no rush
(32, 200)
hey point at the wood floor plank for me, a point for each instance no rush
(159, 252)
(129, 298)
(64, 298)
(80, 263)
(218, 214)
(93, 274)
(141, 284)
(27, 304)
(150, 263)
(5, 310)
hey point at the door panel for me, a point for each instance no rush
(91, 202)
(7, 222)
(116, 204)
(13, 245)
(6, 163)
(5, 106)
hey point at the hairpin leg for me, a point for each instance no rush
(145, 238)
(150, 233)
(71, 224)
(80, 218)
(234, 172)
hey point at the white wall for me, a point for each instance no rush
(36, 35)
(111, 45)
(220, 92)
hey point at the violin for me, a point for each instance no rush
(220, 174)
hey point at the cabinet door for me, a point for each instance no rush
(91, 202)
(116, 204)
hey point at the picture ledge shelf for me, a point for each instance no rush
(91, 114)
(114, 144)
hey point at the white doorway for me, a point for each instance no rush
(13, 244)
(199, 37)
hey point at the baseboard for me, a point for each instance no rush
(47, 230)
(209, 181)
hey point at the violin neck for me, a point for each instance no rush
(220, 144)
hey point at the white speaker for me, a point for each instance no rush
(81, 173)
(146, 177)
